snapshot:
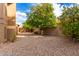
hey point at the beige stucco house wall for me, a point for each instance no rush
(11, 22)
(7, 21)
(2, 23)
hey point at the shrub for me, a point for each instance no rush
(70, 22)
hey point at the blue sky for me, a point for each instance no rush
(23, 8)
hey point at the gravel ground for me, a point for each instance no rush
(35, 45)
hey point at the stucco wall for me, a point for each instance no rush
(2, 33)
(7, 21)
(11, 10)
(2, 23)
(11, 22)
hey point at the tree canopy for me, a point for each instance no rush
(70, 21)
(42, 16)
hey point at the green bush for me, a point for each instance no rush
(70, 22)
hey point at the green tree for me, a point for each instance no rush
(27, 26)
(42, 16)
(70, 21)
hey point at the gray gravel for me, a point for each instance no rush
(36, 45)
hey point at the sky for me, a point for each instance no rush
(23, 8)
